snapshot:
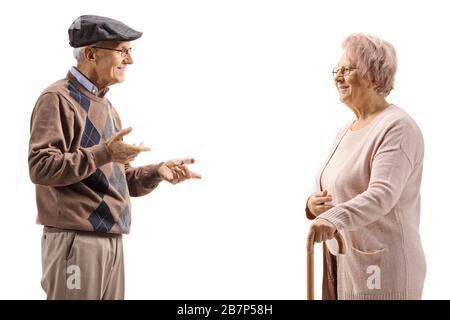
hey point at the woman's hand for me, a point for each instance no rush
(320, 202)
(321, 230)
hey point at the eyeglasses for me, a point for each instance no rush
(345, 71)
(123, 52)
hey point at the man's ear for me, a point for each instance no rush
(89, 54)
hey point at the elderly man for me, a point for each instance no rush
(81, 167)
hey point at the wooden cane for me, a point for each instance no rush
(310, 263)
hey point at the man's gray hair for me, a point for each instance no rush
(78, 53)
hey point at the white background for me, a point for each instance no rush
(245, 87)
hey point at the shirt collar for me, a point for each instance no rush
(85, 82)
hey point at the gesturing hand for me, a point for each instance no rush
(320, 202)
(122, 152)
(176, 171)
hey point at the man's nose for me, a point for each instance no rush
(129, 59)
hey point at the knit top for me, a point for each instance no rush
(374, 175)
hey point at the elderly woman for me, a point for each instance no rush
(369, 186)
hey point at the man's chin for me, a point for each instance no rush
(118, 80)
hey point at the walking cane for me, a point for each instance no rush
(310, 263)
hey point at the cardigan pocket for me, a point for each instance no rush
(365, 270)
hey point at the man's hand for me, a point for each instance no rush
(176, 171)
(321, 230)
(320, 202)
(122, 152)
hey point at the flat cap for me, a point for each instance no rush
(88, 29)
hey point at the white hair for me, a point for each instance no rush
(375, 59)
(78, 53)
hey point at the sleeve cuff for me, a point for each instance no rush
(336, 216)
(151, 174)
(308, 212)
(158, 177)
(101, 154)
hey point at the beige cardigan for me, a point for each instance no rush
(377, 197)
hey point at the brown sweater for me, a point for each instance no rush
(78, 187)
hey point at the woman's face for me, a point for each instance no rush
(350, 86)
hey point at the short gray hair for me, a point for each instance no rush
(78, 53)
(375, 58)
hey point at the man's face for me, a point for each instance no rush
(110, 65)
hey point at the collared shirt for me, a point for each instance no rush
(85, 82)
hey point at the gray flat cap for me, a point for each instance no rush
(88, 29)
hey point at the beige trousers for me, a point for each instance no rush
(82, 265)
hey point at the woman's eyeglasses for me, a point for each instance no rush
(345, 70)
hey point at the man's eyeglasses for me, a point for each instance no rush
(345, 71)
(123, 52)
